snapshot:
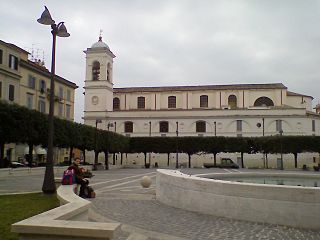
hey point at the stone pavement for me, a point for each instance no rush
(125, 201)
(121, 198)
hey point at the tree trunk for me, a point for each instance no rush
(295, 160)
(70, 155)
(96, 157)
(267, 161)
(189, 156)
(84, 156)
(30, 155)
(168, 163)
(106, 160)
(214, 159)
(114, 159)
(145, 160)
(242, 165)
(121, 158)
(2, 155)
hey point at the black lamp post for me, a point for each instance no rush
(177, 154)
(215, 128)
(96, 153)
(60, 31)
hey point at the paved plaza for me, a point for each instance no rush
(120, 198)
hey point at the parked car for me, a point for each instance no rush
(17, 165)
(225, 163)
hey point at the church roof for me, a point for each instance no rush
(202, 87)
(297, 94)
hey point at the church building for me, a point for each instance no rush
(237, 110)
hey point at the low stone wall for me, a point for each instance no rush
(25, 171)
(284, 205)
(69, 221)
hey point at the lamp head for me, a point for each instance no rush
(46, 18)
(62, 30)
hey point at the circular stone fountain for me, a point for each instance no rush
(294, 206)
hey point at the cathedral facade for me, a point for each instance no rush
(210, 110)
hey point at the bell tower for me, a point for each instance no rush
(99, 80)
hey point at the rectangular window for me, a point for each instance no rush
(172, 102)
(11, 92)
(29, 100)
(278, 125)
(60, 110)
(42, 105)
(32, 82)
(203, 101)
(60, 92)
(68, 111)
(141, 102)
(1, 54)
(42, 86)
(68, 95)
(313, 125)
(13, 62)
(239, 125)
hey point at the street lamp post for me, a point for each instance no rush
(150, 136)
(96, 153)
(60, 31)
(177, 154)
(215, 128)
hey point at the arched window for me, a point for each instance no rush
(201, 126)
(164, 127)
(203, 101)
(109, 72)
(128, 127)
(95, 70)
(263, 102)
(172, 102)
(116, 103)
(141, 103)
(232, 101)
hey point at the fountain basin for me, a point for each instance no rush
(293, 206)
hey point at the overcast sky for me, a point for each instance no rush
(181, 42)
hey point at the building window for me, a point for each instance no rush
(141, 102)
(61, 92)
(42, 105)
(1, 54)
(164, 127)
(95, 70)
(278, 125)
(109, 72)
(60, 109)
(232, 101)
(68, 95)
(116, 104)
(203, 101)
(200, 126)
(172, 102)
(128, 127)
(263, 102)
(29, 100)
(42, 86)
(13, 62)
(239, 125)
(11, 92)
(32, 82)
(68, 111)
(313, 125)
